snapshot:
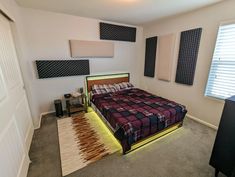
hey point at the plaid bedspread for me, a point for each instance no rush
(137, 113)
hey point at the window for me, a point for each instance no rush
(221, 81)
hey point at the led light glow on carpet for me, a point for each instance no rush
(146, 143)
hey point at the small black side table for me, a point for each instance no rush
(76, 104)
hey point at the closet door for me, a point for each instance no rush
(15, 119)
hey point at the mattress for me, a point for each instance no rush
(135, 114)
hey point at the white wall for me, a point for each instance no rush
(47, 35)
(204, 108)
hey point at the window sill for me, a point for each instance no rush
(215, 99)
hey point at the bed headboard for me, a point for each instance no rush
(106, 79)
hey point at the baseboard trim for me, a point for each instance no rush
(24, 166)
(40, 118)
(29, 137)
(202, 122)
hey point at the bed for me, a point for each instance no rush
(134, 116)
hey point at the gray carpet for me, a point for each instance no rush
(184, 153)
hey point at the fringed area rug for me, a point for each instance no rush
(83, 139)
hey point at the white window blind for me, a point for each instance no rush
(221, 81)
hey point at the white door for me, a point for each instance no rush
(15, 119)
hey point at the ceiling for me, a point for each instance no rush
(134, 12)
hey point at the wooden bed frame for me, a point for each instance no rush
(118, 78)
(106, 79)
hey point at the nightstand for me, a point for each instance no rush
(76, 104)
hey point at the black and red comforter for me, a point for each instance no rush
(135, 114)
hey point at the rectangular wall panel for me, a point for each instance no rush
(188, 53)
(117, 32)
(23, 120)
(165, 56)
(8, 57)
(11, 151)
(96, 49)
(150, 56)
(62, 68)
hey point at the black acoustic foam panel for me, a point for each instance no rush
(188, 53)
(62, 68)
(150, 56)
(117, 32)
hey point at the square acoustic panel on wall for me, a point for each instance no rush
(94, 49)
(150, 56)
(117, 32)
(165, 55)
(188, 53)
(62, 68)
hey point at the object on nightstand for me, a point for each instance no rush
(68, 95)
(58, 108)
(75, 94)
(81, 90)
